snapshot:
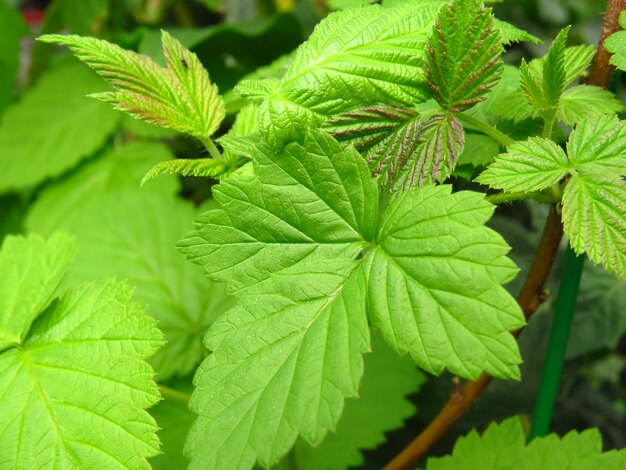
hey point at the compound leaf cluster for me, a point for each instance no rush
(302, 246)
(72, 365)
(594, 207)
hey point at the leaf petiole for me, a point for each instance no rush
(486, 128)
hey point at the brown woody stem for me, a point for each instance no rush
(531, 295)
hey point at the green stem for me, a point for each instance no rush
(485, 128)
(557, 345)
(210, 146)
(500, 198)
(175, 395)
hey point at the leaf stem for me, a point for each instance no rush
(175, 395)
(210, 146)
(530, 297)
(504, 197)
(485, 128)
(557, 344)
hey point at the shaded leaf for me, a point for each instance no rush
(586, 101)
(53, 127)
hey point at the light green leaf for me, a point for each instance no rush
(239, 141)
(462, 58)
(510, 34)
(554, 69)
(586, 101)
(121, 167)
(441, 140)
(206, 167)
(345, 65)
(53, 127)
(594, 219)
(180, 96)
(131, 234)
(381, 406)
(31, 269)
(408, 279)
(479, 150)
(504, 443)
(530, 165)
(12, 29)
(80, 368)
(300, 243)
(599, 145)
(616, 43)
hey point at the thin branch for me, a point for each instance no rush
(531, 295)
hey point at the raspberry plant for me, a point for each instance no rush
(349, 213)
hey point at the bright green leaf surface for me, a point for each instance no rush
(31, 271)
(122, 167)
(180, 96)
(503, 445)
(599, 145)
(530, 165)
(594, 219)
(74, 391)
(462, 59)
(131, 234)
(345, 65)
(554, 69)
(381, 406)
(53, 127)
(296, 242)
(440, 299)
(576, 60)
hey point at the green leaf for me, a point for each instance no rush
(441, 141)
(600, 318)
(586, 101)
(130, 234)
(504, 443)
(78, 16)
(616, 43)
(594, 219)
(367, 126)
(52, 128)
(180, 97)
(530, 165)
(302, 246)
(80, 368)
(510, 34)
(12, 29)
(407, 279)
(382, 405)
(554, 69)
(174, 419)
(462, 60)
(207, 167)
(576, 60)
(345, 65)
(479, 150)
(599, 145)
(31, 270)
(58, 203)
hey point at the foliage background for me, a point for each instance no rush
(91, 159)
